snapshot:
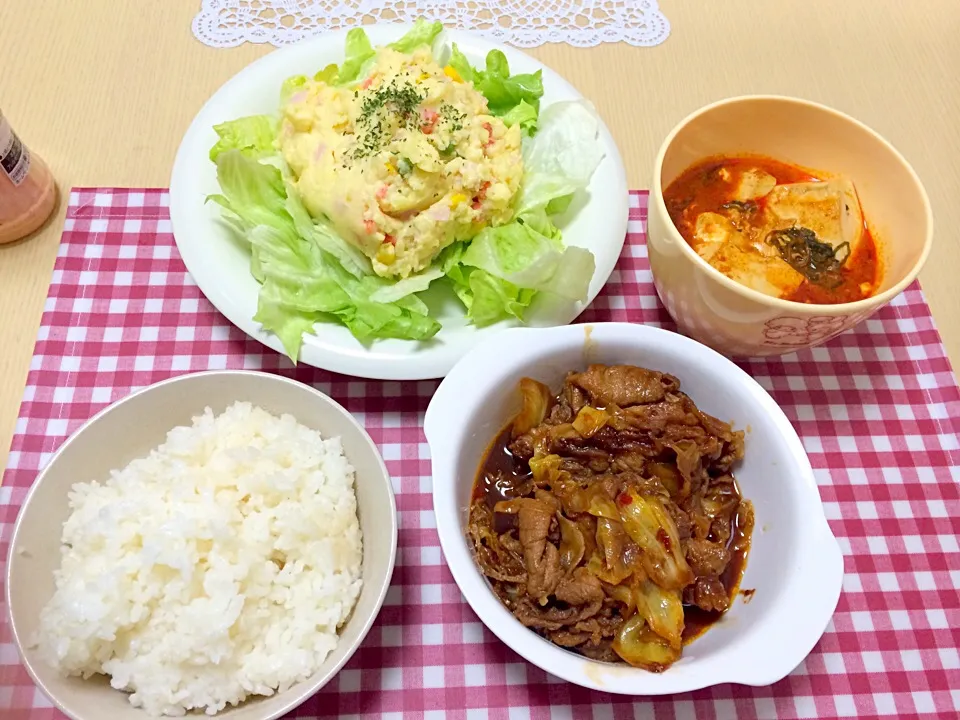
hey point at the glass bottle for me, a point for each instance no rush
(28, 192)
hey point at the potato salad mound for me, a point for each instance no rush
(403, 164)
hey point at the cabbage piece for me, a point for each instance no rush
(495, 560)
(592, 499)
(589, 421)
(618, 418)
(719, 501)
(641, 647)
(720, 497)
(668, 475)
(616, 561)
(546, 470)
(572, 545)
(612, 576)
(601, 506)
(663, 611)
(561, 431)
(624, 595)
(588, 528)
(651, 527)
(515, 505)
(536, 401)
(542, 438)
(689, 466)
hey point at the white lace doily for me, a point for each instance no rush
(523, 23)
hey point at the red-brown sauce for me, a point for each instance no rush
(501, 474)
(699, 189)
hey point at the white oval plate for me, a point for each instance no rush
(221, 266)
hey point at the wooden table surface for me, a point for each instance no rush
(103, 90)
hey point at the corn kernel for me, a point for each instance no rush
(387, 254)
(456, 199)
(423, 76)
(391, 170)
(451, 73)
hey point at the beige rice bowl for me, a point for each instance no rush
(218, 567)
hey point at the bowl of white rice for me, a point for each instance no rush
(218, 543)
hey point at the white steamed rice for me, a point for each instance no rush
(220, 566)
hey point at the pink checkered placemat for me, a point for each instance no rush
(877, 409)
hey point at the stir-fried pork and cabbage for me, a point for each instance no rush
(607, 518)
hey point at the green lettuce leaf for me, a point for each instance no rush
(561, 158)
(253, 192)
(423, 32)
(288, 324)
(486, 298)
(358, 53)
(528, 255)
(458, 61)
(407, 286)
(296, 83)
(291, 86)
(528, 252)
(495, 299)
(413, 303)
(504, 92)
(253, 136)
(531, 255)
(302, 281)
(523, 114)
(328, 75)
(322, 233)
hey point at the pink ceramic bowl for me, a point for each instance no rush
(735, 319)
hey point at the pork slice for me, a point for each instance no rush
(623, 385)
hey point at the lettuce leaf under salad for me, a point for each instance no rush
(309, 274)
(253, 136)
(302, 282)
